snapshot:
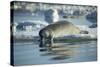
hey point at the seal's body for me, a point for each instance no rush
(58, 29)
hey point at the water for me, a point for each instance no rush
(29, 53)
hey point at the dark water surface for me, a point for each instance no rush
(28, 53)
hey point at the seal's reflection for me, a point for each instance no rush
(59, 51)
